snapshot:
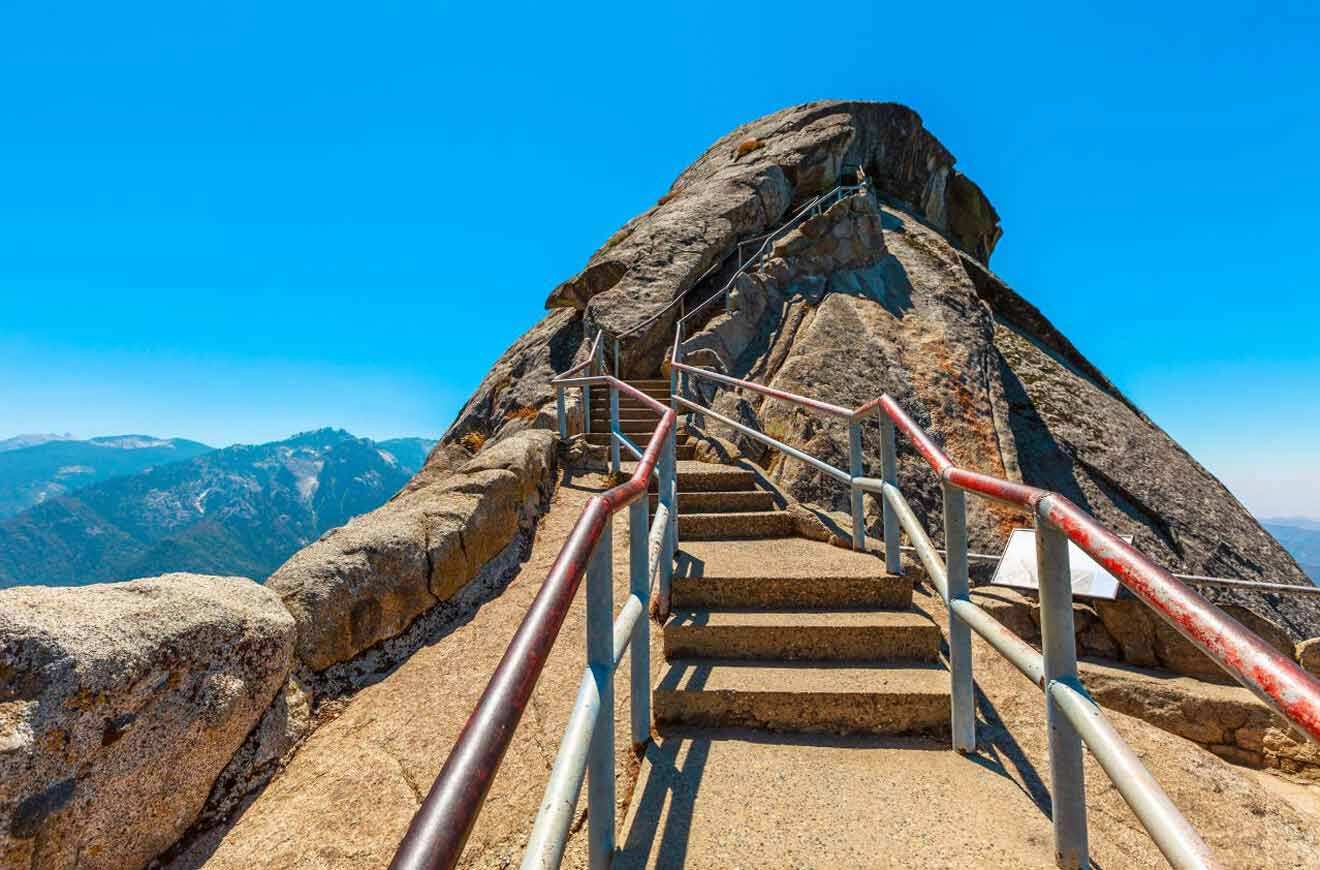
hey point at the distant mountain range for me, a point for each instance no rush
(34, 468)
(240, 510)
(1300, 536)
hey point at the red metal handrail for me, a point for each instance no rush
(441, 826)
(1277, 680)
(1274, 678)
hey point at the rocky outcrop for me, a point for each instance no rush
(1127, 631)
(745, 185)
(981, 370)
(367, 581)
(1227, 720)
(121, 704)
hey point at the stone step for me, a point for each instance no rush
(696, 476)
(626, 402)
(603, 394)
(724, 502)
(601, 435)
(802, 635)
(625, 426)
(810, 699)
(721, 526)
(634, 415)
(682, 451)
(788, 573)
(886, 591)
(796, 573)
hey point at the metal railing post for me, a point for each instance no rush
(666, 489)
(600, 658)
(586, 408)
(889, 473)
(562, 413)
(639, 583)
(963, 716)
(855, 469)
(614, 429)
(616, 357)
(1059, 645)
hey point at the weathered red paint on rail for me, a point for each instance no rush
(440, 828)
(934, 455)
(1276, 679)
(993, 487)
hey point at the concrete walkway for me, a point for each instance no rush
(346, 798)
(727, 798)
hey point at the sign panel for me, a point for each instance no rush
(1017, 568)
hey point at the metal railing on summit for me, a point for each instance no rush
(1075, 721)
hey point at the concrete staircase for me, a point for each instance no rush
(792, 635)
(774, 631)
(793, 670)
(635, 419)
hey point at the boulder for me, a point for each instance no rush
(1146, 640)
(369, 580)
(120, 704)
(1227, 720)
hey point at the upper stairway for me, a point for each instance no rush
(776, 631)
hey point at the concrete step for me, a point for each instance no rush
(603, 394)
(602, 400)
(811, 699)
(886, 591)
(602, 436)
(625, 426)
(696, 476)
(802, 635)
(796, 573)
(721, 526)
(724, 502)
(681, 451)
(626, 415)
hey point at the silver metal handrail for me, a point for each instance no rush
(586, 750)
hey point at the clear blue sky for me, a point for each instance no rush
(234, 221)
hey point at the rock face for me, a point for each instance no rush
(1227, 720)
(745, 185)
(1001, 390)
(121, 704)
(888, 292)
(367, 581)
